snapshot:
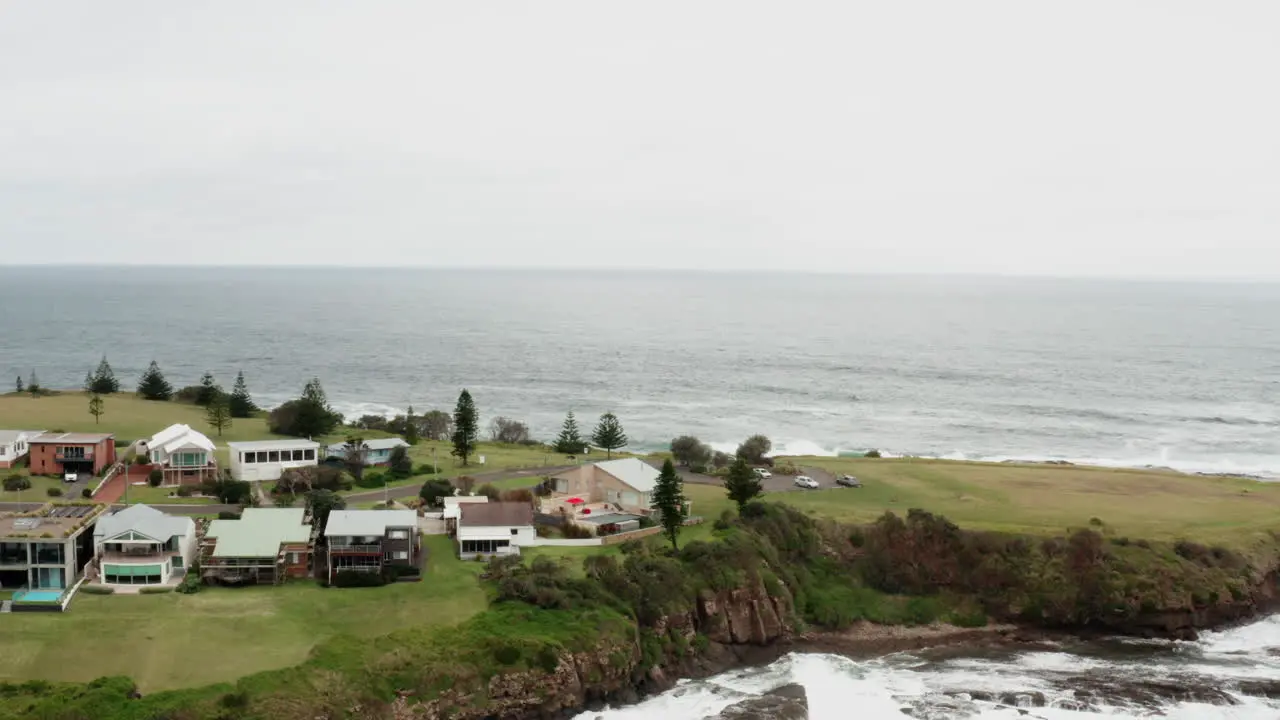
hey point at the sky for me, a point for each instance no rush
(1098, 137)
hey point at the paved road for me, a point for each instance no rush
(777, 483)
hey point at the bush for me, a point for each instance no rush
(647, 522)
(97, 589)
(155, 477)
(153, 590)
(521, 495)
(54, 492)
(227, 515)
(14, 483)
(690, 451)
(871, 454)
(489, 491)
(573, 531)
(754, 449)
(347, 579)
(86, 493)
(371, 479)
(425, 469)
(189, 394)
(507, 654)
(186, 491)
(190, 584)
(433, 490)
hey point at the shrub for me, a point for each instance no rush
(227, 515)
(86, 493)
(155, 477)
(754, 449)
(371, 479)
(152, 590)
(97, 589)
(573, 531)
(346, 579)
(189, 394)
(186, 491)
(14, 483)
(647, 522)
(489, 491)
(190, 584)
(425, 469)
(871, 454)
(507, 654)
(234, 700)
(521, 495)
(54, 492)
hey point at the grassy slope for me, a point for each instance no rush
(172, 640)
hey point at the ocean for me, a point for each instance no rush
(1122, 679)
(1173, 374)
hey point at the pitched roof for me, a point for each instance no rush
(633, 472)
(259, 532)
(367, 522)
(146, 520)
(179, 436)
(11, 436)
(72, 438)
(501, 514)
(282, 444)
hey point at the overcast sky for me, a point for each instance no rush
(1083, 138)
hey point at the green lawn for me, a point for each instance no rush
(160, 496)
(497, 457)
(173, 640)
(39, 491)
(126, 415)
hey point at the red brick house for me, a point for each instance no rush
(60, 453)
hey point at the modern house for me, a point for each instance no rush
(61, 453)
(44, 552)
(377, 451)
(499, 528)
(13, 446)
(370, 540)
(140, 545)
(267, 459)
(266, 545)
(625, 484)
(185, 456)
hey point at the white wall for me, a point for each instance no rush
(524, 536)
(259, 471)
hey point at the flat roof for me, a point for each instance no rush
(60, 521)
(372, 444)
(72, 438)
(344, 523)
(282, 444)
(8, 436)
(259, 532)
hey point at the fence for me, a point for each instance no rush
(106, 478)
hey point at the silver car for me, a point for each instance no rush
(806, 482)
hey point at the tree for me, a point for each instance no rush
(229, 491)
(754, 449)
(608, 434)
(241, 404)
(689, 450)
(464, 483)
(569, 441)
(354, 453)
(218, 411)
(490, 491)
(434, 489)
(209, 390)
(506, 430)
(88, 383)
(466, 420)
(400, 465)
(720, 459)
(104, 379)
(152, 385)
(669, 501)
(19, 384)
(308, 416)
(436, 425)
(411, 433)
(95, 407)
(320, 503)
(33, 384)
(742, 484)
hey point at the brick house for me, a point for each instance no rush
(61, 453)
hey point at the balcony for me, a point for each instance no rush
(131, 557)
(13, 558)
(62, 455)
(356, 549)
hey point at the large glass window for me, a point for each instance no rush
(273, 456)
(247, 458)
(297, 455)
(262, 457)
(13, 553)
(49, 578)
(49, 554)
(483, 546)
(311, 455)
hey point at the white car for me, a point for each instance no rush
(806, 482)
(763, 474)
(70, 477)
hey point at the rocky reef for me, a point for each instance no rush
(788, 702)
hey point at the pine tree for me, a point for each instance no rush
(241, 404)
(411, 435)
(742, 484)
(152, 385)
(608, 434)
(104, 379)
(88, 383)
(209, 390)
(466, 427)
(315, 416)
(669, 501)
(95, 407)
(33, 384)
(569, 441)
(218, 412)
(20, 386)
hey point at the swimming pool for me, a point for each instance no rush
(40, 596)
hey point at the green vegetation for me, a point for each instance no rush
(152, 385)
(755, 450)
(608, 434)
(569, 441)
(102, 381)
(130, 417)
(96, 408)
(308, 416)
(689, 451)
(242, 405)
(742, 485)
(466, 431)
(669, 502)
(217, 410)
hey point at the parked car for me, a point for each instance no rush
(849, 481)
(806, 482)
(763, 474)
(70, 477)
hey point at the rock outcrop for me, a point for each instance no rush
(788, 702)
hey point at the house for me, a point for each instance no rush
(625, 484)
(370, 540)
(44, 552)
(377, 450)
(495, 528)
(140, 545)
(267, 459)
(266, 545)
(13, 446)
(61, 453)
(185, 456)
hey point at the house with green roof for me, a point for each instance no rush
(266, 545)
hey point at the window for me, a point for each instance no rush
(310, 455)
(399, 535)
(273, 456)
(294, 558)
(262, 456)
(297, 455)
(402, 555)
(248, 458)
(515, 531)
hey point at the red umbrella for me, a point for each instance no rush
(575, 501)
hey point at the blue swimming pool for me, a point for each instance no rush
(41, 596)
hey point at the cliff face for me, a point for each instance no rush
(731, 622)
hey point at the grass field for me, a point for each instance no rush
(125, 414)
(173, 640)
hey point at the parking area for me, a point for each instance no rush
(776, 483)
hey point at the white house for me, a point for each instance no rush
(13, 445)
(267, 459)
(377, 450)
(499, 528)
(184, 455)
(140, 545)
